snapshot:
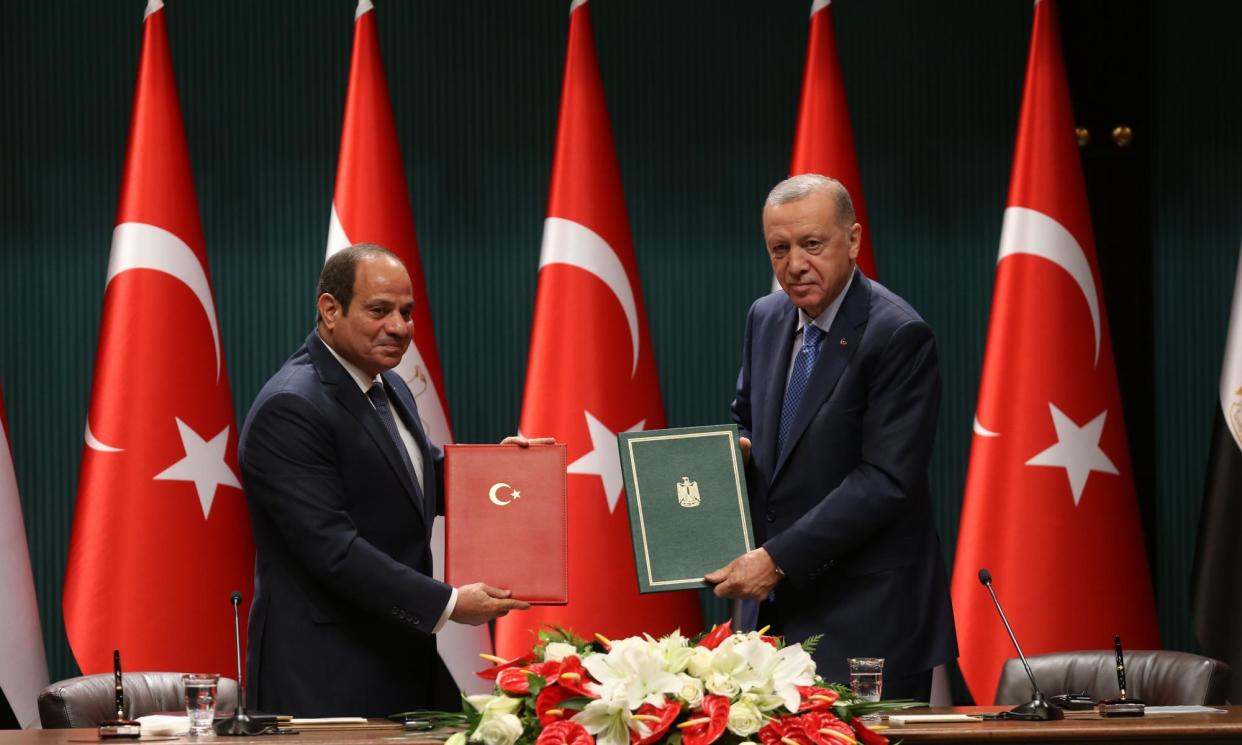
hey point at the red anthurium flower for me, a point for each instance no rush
(491, 672)
(565, 733)
(775, 641)
(815, 698)
(825, 729)
(513, 681)
(574, 676)
(715, 710)
(784, 731)
(866, 736)
(547, 704)
(667, 715)
(717, 635)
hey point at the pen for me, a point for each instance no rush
(1121, 667)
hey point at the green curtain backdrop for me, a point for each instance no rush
(703, 97)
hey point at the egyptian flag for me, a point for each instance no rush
(1216, 596)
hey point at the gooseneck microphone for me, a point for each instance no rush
(240, 724)
(1037, 709)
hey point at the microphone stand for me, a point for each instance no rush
(240, 724)
(1038, 708)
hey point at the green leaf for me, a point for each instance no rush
(811, 642)
(577, 703)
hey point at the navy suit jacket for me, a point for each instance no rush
(844, 509)
(344, 602)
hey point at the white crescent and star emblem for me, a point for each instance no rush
(494, 494)
(567, 242)
(137, 245)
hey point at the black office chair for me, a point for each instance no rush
(91, 699)
(1156, 677)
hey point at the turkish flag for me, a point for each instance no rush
(1049, 506)
(591, 372)
(161, 533)
(824, 142)
(372, 205)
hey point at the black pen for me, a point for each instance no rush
(1121, 667)
(120, 689)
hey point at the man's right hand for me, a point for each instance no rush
(479, 603)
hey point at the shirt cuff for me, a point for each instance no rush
(448, 611)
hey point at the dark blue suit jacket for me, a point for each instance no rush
(845, 509)
(344, 603)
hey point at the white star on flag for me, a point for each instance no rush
(1077, 450)
(203, 464)
(603, 460)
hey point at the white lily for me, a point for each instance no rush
(610, 721)
(676, 650)
(557, 651)
(633, 670)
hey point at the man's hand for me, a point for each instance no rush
(750, 576)
(525, 442)
(744, 444)
(479, 603)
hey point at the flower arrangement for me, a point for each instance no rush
(722, 687)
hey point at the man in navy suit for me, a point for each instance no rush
(839, 392)
(343, 487)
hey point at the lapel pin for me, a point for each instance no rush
(844, 343)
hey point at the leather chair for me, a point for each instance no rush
(1158, 678)
(90, 700)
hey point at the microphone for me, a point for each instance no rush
(240, 724)
(1037, 709)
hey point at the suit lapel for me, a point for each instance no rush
(346, 391)
(407, 409)
(835, 352)
(778, 353)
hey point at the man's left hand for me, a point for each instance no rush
(525, 442)
(750, 576)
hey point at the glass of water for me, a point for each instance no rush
(867, 681)
(200, 701)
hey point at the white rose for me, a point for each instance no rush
(722, 685)
(691, 690)
(744, 719)
(700, 664)
(504, 729)
(489, 705)
(557, 651)
(457, 738)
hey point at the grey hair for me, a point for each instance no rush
(804, 185)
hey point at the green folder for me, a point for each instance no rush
(686, 491)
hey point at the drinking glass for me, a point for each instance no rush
(200, 701)
(867, 681)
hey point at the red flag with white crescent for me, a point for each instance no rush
(824, 142)
(161, 532)
(1050, 506)
(371, 205)
(591, 372)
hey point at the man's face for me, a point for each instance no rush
(375, 331)
(812, 253)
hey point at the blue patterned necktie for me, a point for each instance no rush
(804, 365)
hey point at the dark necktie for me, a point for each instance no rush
(804, 365)
(380, 400)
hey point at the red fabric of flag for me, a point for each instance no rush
(824, 142)
(161, 533)
(1050, 505)
(591, 371)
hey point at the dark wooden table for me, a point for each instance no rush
(1076, 727)
(1088, 728)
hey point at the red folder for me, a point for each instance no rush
(506, 520)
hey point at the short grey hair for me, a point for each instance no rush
(804, 185)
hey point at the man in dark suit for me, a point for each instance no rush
(839, 392)
(343, 487)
